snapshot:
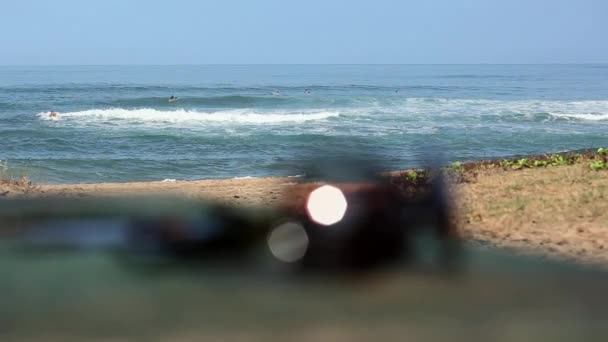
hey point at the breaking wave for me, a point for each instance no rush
(190, 116)
(390, 114)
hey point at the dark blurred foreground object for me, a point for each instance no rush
(319, 227)
(328, 226)
(358, 226)
(156, 269)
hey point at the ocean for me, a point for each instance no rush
(115, 123)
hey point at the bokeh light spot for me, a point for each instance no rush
(288, 242)
(326, 205)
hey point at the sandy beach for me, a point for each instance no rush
(556, 212)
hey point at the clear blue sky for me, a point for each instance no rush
(303, 31)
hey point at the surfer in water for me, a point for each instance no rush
(52, 114)
(173, 98)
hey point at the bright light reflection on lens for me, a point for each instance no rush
(326, 205)
(288, 242)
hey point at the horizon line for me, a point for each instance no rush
(287, 64)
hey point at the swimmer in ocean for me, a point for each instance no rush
(52, 115)
(172, 98)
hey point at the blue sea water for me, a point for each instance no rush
(115, 123)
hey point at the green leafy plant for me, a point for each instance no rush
(598, 165)
(557, 160)
(411, 176)
(602, 151)
(540, 163)
(506, 163)
(520, 163)
(456, 167)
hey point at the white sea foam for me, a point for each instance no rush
(402, 116)
(189, 116)
(582, 110)
(166, 180)
(583, 116)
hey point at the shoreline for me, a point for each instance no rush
(468, 164)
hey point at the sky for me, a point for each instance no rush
(42, 32)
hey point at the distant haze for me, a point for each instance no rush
(305, 31)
